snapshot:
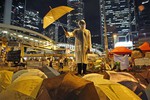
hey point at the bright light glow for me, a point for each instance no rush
(36, 40)
(20, 36)
(114, 35)
(125, 44)
(31, 39)
(25, 58)
(5, 32)
(145, 2)
(15, 34)
(26, 37)
(21, 7)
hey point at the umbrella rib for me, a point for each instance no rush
(113, 91)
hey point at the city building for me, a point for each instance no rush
(1, 10)
(23, 17)
(32, 20)
(143, 20)
(117, 17)
(19, 15)
(74, 16)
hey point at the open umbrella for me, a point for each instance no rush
(109, 90)
(121, 50)
(119, 76)
(23, 88)
(93, 75)
(147, 90)
(145, 47)
(128, 80)
(124, 78)
(68, 87)
(5, 79)
(54, 14)
(40, 74)
(29, 72)
(18, 73)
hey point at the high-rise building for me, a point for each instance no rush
(116, 15)
(19, 15)
(142, 20)
(2, 2)
(143, 13)
(74, 16)
(32, 20)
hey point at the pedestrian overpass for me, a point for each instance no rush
(21, 37)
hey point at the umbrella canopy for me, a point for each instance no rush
(23, 88)
(145, 47)
(109, 90)
(69, 87)
(147, 90)
(93, 75)
(5, 79)
(29, 72)
(54, 14)
(121, 50)
(119, 76)
(123, 78)
(128, 81)
(18, 73)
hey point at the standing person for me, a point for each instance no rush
(61, 63)
(48, 62)
(82, 45)
(71, 65)
(51, 62)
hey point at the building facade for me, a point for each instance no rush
(32, 20)
(74, 16)
(2, 3)
(19, 14)
(143, 21)
(118, 18)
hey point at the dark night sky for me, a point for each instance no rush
(91, 11)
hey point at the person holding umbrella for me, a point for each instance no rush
(82, 45)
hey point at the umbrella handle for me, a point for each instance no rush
(59, 22)
(50, 7)
(63, 29)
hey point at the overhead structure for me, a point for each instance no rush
(25, 37)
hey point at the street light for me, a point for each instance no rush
(115, 39)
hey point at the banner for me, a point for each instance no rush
(124, 62)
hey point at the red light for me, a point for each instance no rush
(141, 8)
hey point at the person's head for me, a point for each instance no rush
(82, 24)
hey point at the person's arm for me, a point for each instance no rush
(69, 34)
(89, 43)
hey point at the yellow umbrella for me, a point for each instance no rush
(109, 90)
(5, 79)
(23, 88)
(55, 14)
(68, 87)
(28, 72)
